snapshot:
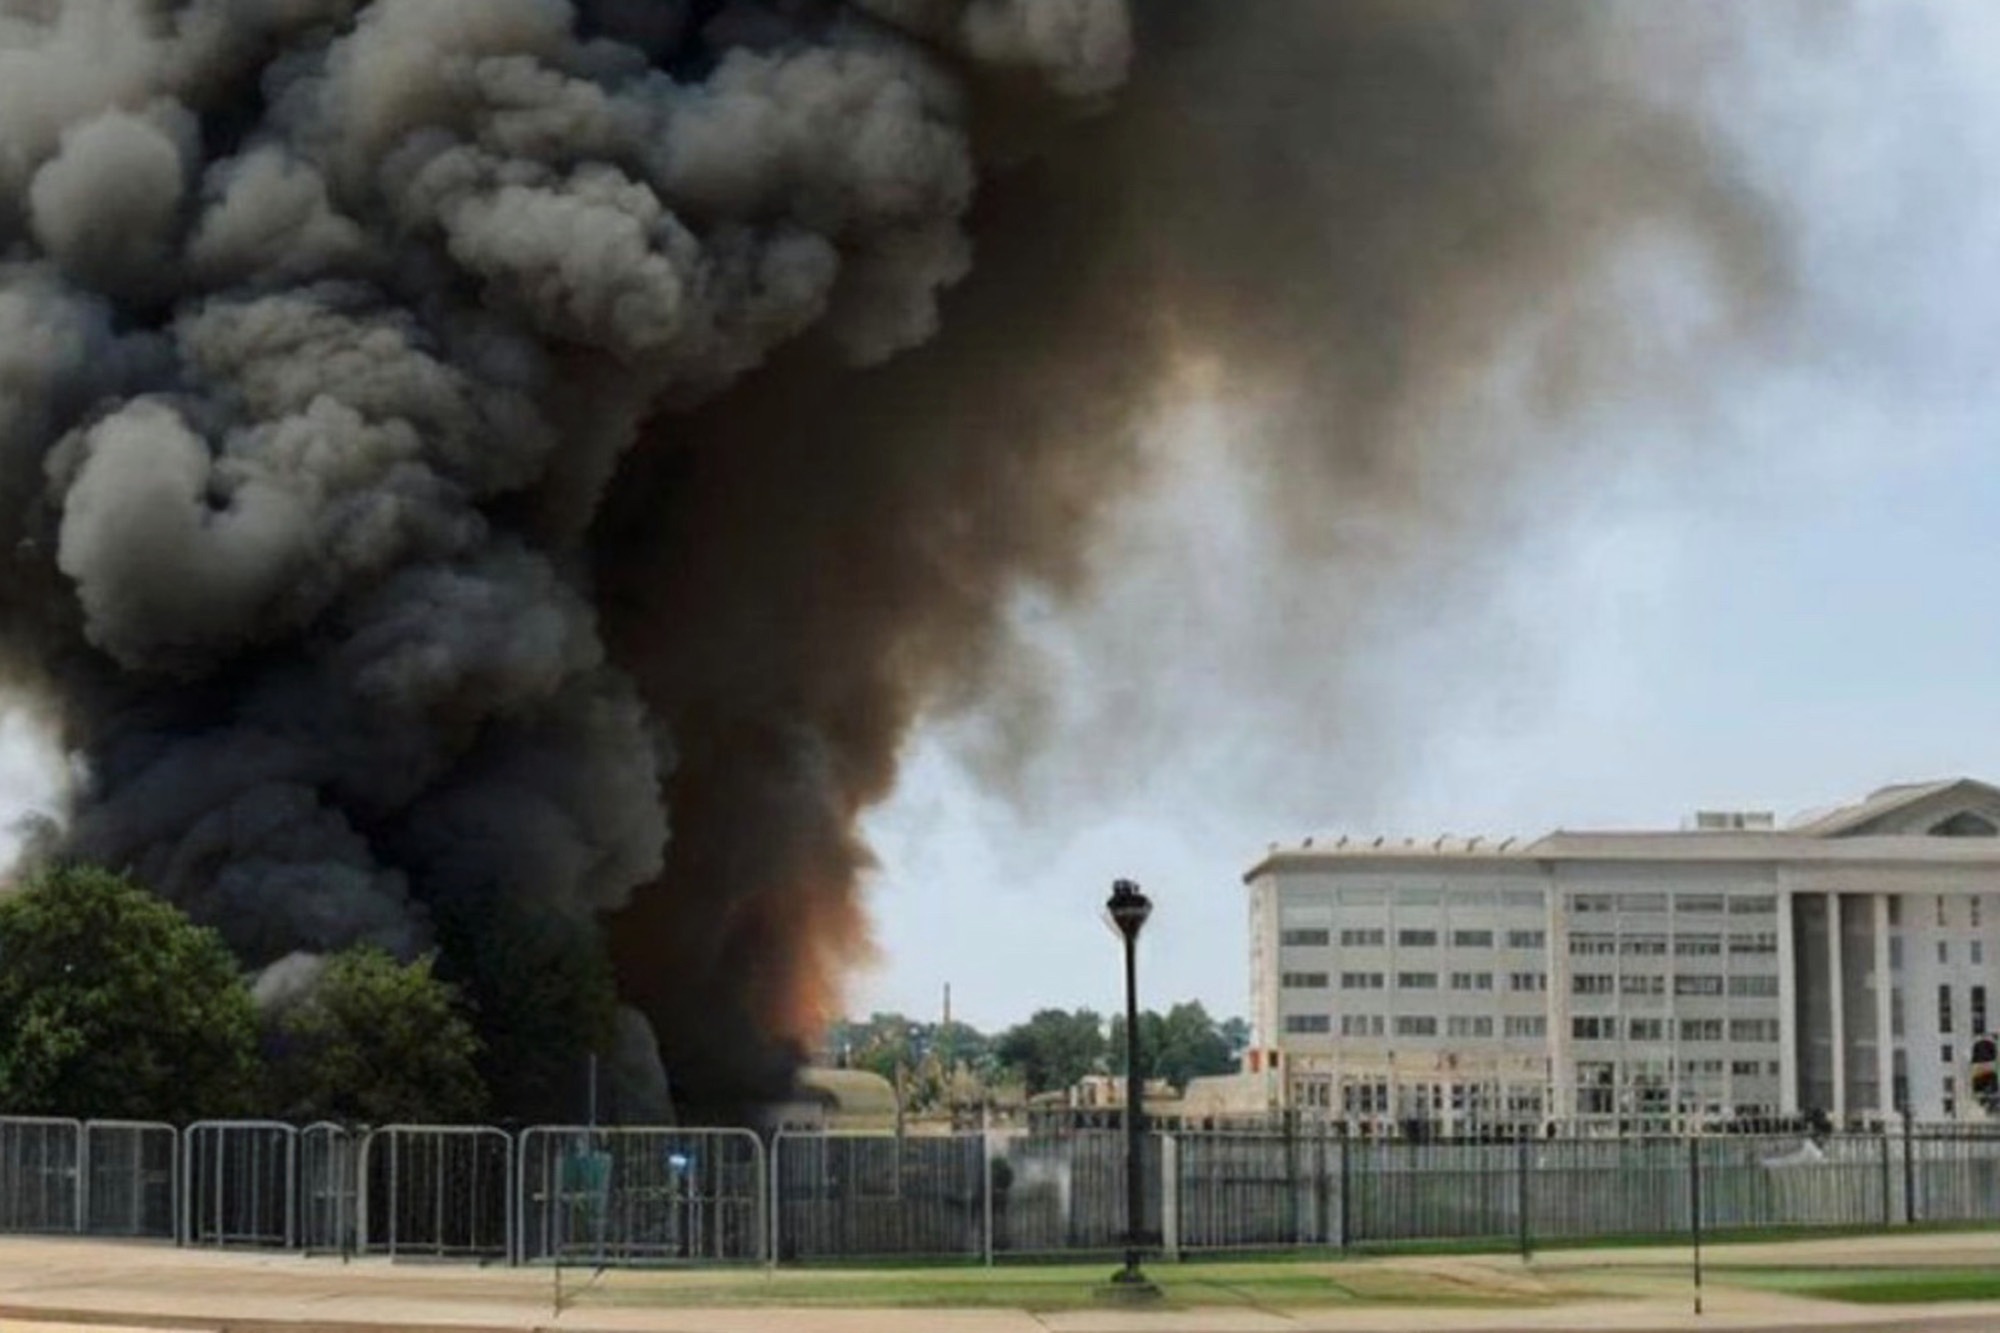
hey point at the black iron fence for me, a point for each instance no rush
(627, 1195)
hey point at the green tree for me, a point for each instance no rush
(377, 1042)
(114, 1005)
(1054, 1049)
(1180, 1045)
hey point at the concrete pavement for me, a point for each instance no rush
(55, 1286)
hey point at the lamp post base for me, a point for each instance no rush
(1130, 1285)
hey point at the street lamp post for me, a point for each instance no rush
(1128, 909)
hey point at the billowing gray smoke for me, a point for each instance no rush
(327, 325)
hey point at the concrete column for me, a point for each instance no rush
(1885, 1046)
(1833, 965)
(1788, 1007)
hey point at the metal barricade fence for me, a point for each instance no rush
(1954, 1176)
(41, 1174)
(329, 1188)
(239, 1180)
(1237, 1191)
(1583, 1188)
(628, 1196)
(1753, 1182)
(132, 1179)
(443, 1191)
(1060, 1192)
(1412, 1189)
(877, 1196)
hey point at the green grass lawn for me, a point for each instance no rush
(1877, 1286)
(1063, 1286)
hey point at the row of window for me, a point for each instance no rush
(1375, 937)
(1606, 1028)
(1651, 1073)
(1513, 1026)
(1658, 946)
(1458, 981)
(1604, 983)
(1687, 904)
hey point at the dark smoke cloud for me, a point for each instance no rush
(326, 326)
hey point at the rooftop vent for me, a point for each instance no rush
(1732, 821)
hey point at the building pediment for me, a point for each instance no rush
(1956, 808)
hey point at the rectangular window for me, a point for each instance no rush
(1753, 986)
(1527, 1025)
(1416, 1025)
(1416, 939)
(1701, 1029)
(1474, 981)
(1895, 953)
(1592, 983)
(1972, 906)
(1644, 902)
(1698, 904)
(1698, 946)
(1588, 1028)
(1527, 981)
(1978, 1010)
(1978, 948)
(1469, 1025)
(1592, 946)
(1760, 943)
(1585, 904)
(1361, 981)
(1950, 1090)
(1305, 938)
(1416, 981)
(1472, 939)
(1643, 946)
(1688, 985)
(1371, 938)
(1944, 1006)
(1307, 1024)
(1895, 910)
(1945, 1054)
(1305, 981)
(1745, 1068)
(1527, 939)
(1648, 1029)
(1753, 1029)
(1896, 1012)
(1753, 905)
(1361, 1025)
(1944, 952)
(1940, 910)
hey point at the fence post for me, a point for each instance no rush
(1888, 1192)
(774, 1163)
(1170, 1196)
(82, 1178)
(986, 1160)
(1909, 1171)
(1521, 1196)
(1346, 1179)
(1694, 1210)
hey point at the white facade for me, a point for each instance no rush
(1839, 965)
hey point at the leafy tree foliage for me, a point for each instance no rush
(114, 1005)
(1182, 1044)
(377, 1042)
(1054, 1049)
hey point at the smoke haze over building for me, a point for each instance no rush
(509, 475)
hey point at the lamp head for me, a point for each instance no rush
(1128, 908)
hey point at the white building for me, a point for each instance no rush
(1734, 968)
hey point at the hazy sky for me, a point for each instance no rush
(1778, 598)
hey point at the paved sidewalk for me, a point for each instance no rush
(54, 1286)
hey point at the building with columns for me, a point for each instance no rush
(1733, 968)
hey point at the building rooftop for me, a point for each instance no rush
(1950, 821)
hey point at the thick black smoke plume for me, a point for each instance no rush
(327, 326)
